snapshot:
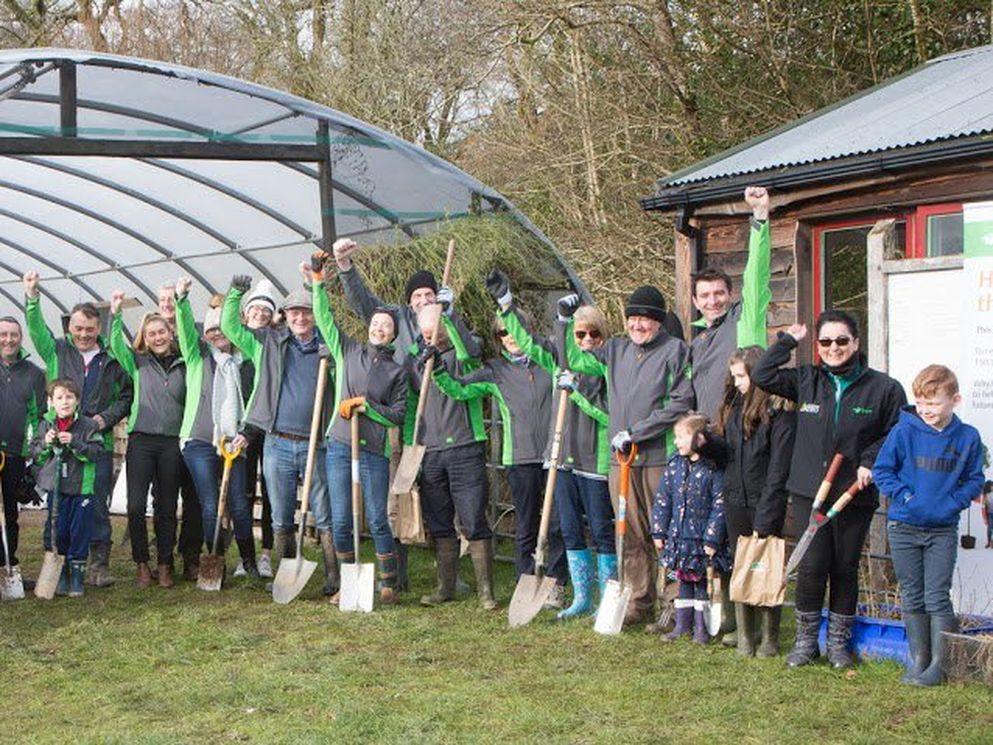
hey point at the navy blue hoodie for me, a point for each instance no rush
(929, 476)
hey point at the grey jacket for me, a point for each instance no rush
(22, 403)
(364, 303)
(79, 457)
(265, 348)
(710, 351)
(648, 387)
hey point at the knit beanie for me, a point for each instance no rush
(263, 294)
(646, 301)
(212, 319)
(418, 280)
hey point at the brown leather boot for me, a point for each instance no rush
(144, 575)
(165, 576)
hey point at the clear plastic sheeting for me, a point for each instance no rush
(92, 221)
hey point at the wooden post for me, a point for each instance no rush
(880, 245)
(686, 263)
(803, 258)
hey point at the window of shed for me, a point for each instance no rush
(944, 234)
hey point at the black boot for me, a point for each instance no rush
(839, 641)
(246, 549)
(332, 575)
(447, 558)
(918, 627)
(805, 649)
(934, 674)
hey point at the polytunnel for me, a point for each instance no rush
(120, 172)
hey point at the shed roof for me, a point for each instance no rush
(942, 109)
(123, 172)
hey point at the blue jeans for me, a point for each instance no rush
(924, 561)
(102, 484)
(73, 525)
(374, 475)
(578, 495)
(284, 462)
(206, 467)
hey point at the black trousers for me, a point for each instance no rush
(191, 530)
(527, 489)
(254, 465)
(833, 557)
(454, 480)
(154, 457)
(11, 477)
(738, 520)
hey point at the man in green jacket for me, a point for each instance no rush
(82, 357)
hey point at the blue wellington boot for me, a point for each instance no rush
(606, 569)
(62, 588)
(581, 572)
(77, 575)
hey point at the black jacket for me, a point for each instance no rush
(855, 426)
(758, 468)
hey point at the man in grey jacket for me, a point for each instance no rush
(649, 388)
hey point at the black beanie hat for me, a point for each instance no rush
(419, 279)
(646, 301)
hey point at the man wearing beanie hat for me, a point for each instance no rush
(725, 325)
(421, 291)
(214, 410)
(286, 360)
(648, 387)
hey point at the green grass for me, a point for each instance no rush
(123, 665)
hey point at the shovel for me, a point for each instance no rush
(815, 516)
(11, 585)
(210, 576)
(614, 604)
(292, 576)
(51, 565)
(816, 523)
(715, 606)
(413, 454)
(533, 589)
(358, 581)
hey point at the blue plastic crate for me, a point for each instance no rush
(883, 638)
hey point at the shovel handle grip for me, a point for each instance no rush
(842, 501)
(825, 487)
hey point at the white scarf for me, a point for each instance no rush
(227, 404)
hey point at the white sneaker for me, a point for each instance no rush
(239, 571)
(265, 566)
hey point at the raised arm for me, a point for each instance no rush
(755, 291)
(41, 335)
(232, 327)
(186, 326)
(119, 347)
(770, 375)
(538, 349)
(359, 297)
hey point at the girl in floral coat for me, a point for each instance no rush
(688, 526)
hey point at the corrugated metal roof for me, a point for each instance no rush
(947, 98)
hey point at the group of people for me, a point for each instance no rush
(726, 435)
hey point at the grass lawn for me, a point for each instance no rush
(182, 665)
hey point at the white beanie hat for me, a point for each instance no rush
(263, 294)
(212, 319)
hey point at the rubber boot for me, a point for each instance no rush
(729, 620)
(387, 568)
(684, 621)
(482, 564)
(606, 566)
(62, 588)
(446, 552)
(342, 557)
(246, 549)
(77, 573)
(769, 619)
(403, 578)
(745, 619)
(839, 641)
(581, 573)
(919, 640)
(144, 575)
(98, 568)
(332, 575)
(805, 649)
(700, 633)
(934, 674)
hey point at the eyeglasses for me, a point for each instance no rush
(841, 342)
(580, 334)
(502, 333)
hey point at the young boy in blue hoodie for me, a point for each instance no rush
(931, 468)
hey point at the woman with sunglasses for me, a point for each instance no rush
(584, 458)
(843, 406)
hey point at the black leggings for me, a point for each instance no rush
(153, 457)
(253, 463)
(834, 555)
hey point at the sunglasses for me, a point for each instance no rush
(841, 342)
(580, 334)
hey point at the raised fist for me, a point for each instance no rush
(757, 197)
(241, 282)
(183, 286)
(498, 285)
(568, 306)
(31, 284)
(116, 300)
(343, 249)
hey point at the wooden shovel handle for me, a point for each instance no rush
(315, 427)
(553, 469)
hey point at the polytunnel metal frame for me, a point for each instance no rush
(38, 147)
